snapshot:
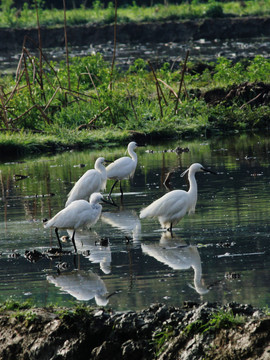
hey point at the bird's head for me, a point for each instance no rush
(196, 167)
(100, 160)
(132, 145)
(95, 198)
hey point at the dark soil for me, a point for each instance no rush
(162, 32)
(159, 332)
(253, 94)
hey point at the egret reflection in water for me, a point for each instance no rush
(179, 256)
(82, 285)
(88, 244)
(124, 220)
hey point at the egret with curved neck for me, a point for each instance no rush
(76, 215)
(123, 168)
(173, 206)
(92, 181)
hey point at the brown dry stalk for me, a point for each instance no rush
(181, 81)
(27, 80)
(114, 43)
(157, 83)
(169, 87)
(91, 78)
(40, 53)
(132, 105)
(51, 99)
(19, 65)
(5, 113)
(85, 126)
(66, 43)
(24, 113)
(251, 100)
(78, 93)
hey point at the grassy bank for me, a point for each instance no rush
(98, 13)
(86, 103)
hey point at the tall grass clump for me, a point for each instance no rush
(145, 98)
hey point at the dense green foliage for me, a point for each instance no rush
(45, 101)
(100, 12)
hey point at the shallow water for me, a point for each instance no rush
(221, 253)
(202, 49)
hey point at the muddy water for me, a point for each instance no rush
(205, 50)
(221, 253)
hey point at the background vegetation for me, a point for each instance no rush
(23, 13)
(64, 103)
(67, 102)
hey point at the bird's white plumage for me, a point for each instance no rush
(93, 180)
(169, 209)
(77, 214)
(124, 167)
(172, 207)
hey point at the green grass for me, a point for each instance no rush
(13, 305)
(39, 119)
(218, 320)
(26, 17)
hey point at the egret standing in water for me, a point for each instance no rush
(76, 215)
(93, 180)
(123, 168)
(171, 207)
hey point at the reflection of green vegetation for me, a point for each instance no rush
(134, 104)
(99, 13)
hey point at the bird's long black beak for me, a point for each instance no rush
(107, 161)
(208, 170)
(108, 202)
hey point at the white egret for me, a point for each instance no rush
(92, 181)
(171, 207)
(123, 168)
(76, 215)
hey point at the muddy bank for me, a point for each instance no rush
(162, 32)
(161, 332)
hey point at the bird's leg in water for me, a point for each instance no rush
(73, 240)
(57, 235)
(170, 230)
(109, 196)
(121, 190)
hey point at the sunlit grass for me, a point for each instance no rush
(132, 13)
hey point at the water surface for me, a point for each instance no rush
(126, 54)
(221, 253)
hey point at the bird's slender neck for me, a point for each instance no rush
(193, 188)
(132, 154)
(100, 167)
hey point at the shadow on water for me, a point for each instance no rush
(220, 253)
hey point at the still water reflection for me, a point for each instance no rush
(221, 253)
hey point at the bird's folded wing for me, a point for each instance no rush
(167, 205)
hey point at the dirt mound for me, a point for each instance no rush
(254, 94)
(196, 331)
